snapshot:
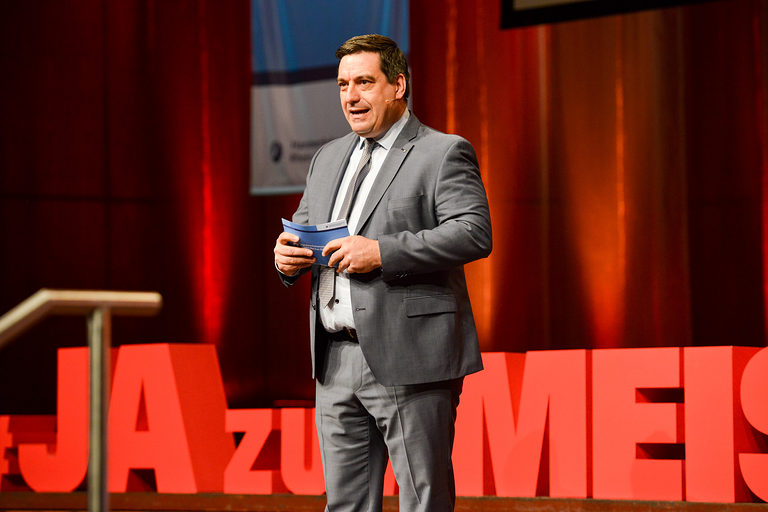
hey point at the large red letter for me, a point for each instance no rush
(63, 470)
(754, 387)
(16, 430)
(240, 477)
(6, 443)
(714, 422)
(621, 422)
(178, 429)
(300, 462)
(515, 395)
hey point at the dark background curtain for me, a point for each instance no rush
(625, 158)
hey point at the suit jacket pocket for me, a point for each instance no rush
(430, 305)
(395, 203)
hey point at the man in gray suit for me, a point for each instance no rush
(392, 332)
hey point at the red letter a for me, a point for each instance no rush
(184, 438)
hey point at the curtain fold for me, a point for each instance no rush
(624, 159)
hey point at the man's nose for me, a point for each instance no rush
(353, 94)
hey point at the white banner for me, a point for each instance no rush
(295, 105)
(284, 139)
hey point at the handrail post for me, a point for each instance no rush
(99, 306)
(99, 343)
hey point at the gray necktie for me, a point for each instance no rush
(327, 278)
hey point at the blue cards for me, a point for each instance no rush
(315, 237)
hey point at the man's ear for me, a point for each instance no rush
(400, 86)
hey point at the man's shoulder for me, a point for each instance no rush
(433, 138)
(428, 131)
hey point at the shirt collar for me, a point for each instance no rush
(388, 139)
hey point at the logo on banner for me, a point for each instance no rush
(275, 151)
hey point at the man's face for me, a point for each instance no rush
(368, 100)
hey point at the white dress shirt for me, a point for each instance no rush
(339, 314)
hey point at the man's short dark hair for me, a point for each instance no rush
(393, 61)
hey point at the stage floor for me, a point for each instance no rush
(135, 502)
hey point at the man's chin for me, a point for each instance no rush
(362, 131)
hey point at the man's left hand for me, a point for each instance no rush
(355, 254)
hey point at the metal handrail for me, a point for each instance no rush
(99, 306)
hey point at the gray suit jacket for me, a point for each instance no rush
(429, 212)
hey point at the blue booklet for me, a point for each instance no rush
(315, 237)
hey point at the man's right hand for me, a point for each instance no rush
(289, 259)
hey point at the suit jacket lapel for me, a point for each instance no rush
(329, 184)
(389, 168)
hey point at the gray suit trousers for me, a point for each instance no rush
(360, 423)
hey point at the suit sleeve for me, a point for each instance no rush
(463, 230)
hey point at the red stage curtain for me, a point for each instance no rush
(625, 163)
(124, 165)
(625, 160)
